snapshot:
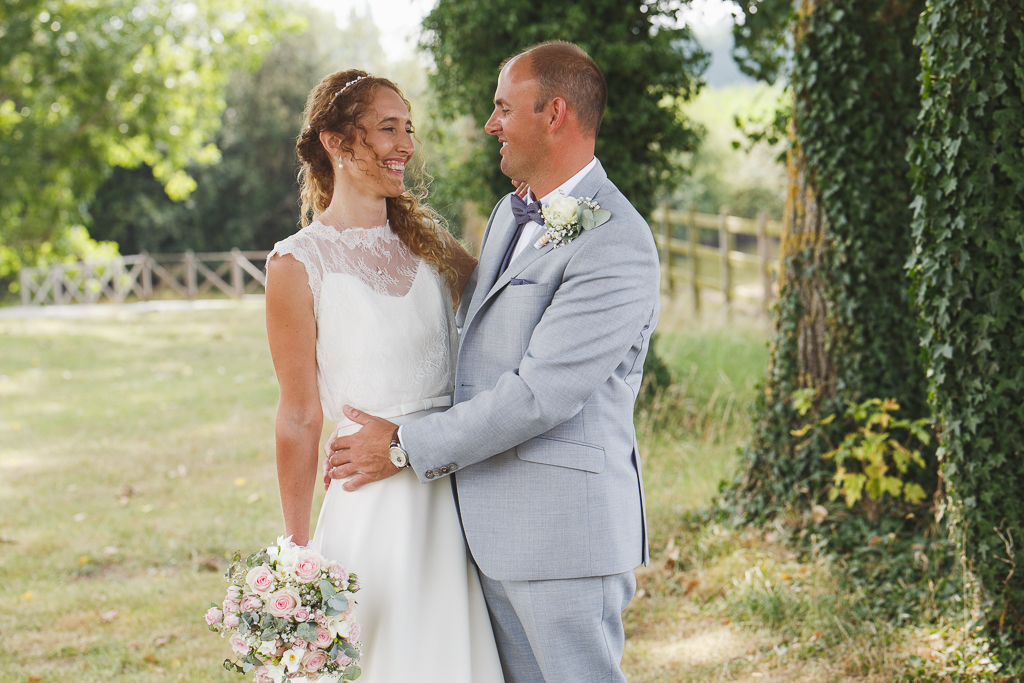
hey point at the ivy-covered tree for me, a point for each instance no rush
(844, 331)
(968, 272)
(87, 86)
(650, 67)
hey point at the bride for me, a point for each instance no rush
(360, 311)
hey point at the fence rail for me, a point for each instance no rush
(716, 267)
(145, 276)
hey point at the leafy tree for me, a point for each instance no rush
(87, 86)
(249, 199)
(968, 273)
(649, 66)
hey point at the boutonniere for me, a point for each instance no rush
(566, 217)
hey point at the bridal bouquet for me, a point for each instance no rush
(289, 615)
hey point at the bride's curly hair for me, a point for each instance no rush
(421, 229)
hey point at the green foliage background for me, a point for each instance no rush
(650, 70)
(249, 199)
(88, 86)
(968, 272)
(853, 77)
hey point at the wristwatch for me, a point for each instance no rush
(396, 454)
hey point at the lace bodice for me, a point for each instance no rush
(385, 322)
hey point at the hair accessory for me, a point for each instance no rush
(349, 85)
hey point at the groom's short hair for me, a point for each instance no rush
(564, 70)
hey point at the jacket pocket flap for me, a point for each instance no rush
(550, 450)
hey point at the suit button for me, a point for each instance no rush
(430, 474)
(452, 467)
(444, 470)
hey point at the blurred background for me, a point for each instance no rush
(170, 126)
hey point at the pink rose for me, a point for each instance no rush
(338, 572)
(353, 634)
(233, 593)
(261, 675)
(251, 603)
(307, 567)
(298, 644)
(314, 660)
(231, 620)
(283, 603)
(303, 614)
(214, 616)
(320, 618)
(323, 638)
(238, 644)
(260, 579)
(231, 606)
(343, 660)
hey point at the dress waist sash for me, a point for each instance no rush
(401, 414)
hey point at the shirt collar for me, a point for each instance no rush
(569, 185)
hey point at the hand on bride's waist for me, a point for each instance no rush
(362, 455)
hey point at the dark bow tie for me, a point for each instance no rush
(525, 213)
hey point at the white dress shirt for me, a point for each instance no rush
(532, 231)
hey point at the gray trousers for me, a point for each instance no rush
(560, 631)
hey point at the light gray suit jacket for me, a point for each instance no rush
(541, 434)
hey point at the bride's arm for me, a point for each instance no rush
(291, 331)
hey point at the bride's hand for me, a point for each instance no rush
(522, 189)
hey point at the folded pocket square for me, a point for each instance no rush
(516, 281)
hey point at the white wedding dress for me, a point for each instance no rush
(386, 344)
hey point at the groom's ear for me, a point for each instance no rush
(557, 111)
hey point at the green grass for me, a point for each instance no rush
(136, 451)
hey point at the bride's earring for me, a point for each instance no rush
(340, 165)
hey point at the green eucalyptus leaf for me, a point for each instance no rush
(601, 216)
(586, 218)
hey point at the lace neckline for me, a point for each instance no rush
(353, 237)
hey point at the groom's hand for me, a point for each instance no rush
(363, 454)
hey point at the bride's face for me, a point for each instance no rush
(378, 161)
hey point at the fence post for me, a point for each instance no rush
(191, 275)
(666, 232)
(147, 276)
(694, 236)
(237, 284)
(762, 260)
(57, 275)
(26, 296)
(724, 247)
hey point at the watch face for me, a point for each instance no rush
(398, 457)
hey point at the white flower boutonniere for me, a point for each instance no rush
(566, 217)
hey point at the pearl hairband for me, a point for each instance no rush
(348, 85)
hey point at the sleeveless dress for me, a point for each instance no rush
(386, 344)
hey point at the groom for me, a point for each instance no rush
(552, 349)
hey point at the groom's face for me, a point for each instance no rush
(516, 124)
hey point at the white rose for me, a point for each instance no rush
(268, 648)
(339, 625)
(276, 671)
(287, 557)
(561, 210)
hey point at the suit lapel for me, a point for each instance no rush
(587, 187)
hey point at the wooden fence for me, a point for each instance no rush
(145, 276)
(693, 260)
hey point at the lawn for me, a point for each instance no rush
(136, 453)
